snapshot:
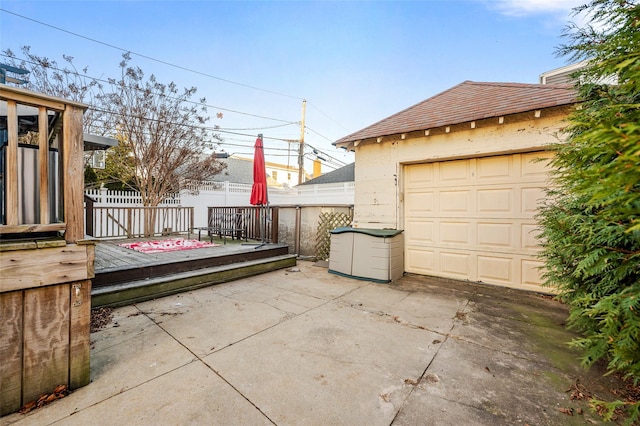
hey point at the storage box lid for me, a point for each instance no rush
(382, 233)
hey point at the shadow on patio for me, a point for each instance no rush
(302, 346)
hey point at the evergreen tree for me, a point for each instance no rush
(591, 221)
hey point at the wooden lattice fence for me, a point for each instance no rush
(326, 222)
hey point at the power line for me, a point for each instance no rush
(151, 58)
(322, 136)
(259, 128)
(324, 162)
(191, 126)
(330, 118)
(287, 122)
(185, 69)
(188, 70)
(316, 150)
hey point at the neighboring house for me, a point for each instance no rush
(240, 170)
(343, 174)
(459, 174)
(562, 75)
(565, 75)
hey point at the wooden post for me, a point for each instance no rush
(11, 319)
(72, 160)
(274, 224)
(45, 284)
(46, 339)
(79, 329)
(88, 216)
(43, 160)
(11, 179)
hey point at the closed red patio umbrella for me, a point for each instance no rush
(259, 195)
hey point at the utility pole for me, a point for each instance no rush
(301, 151)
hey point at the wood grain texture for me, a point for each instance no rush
(11, 179)
(79, 334)
(19, 229)
(10, 352)
(32, 98)
(73, 166)
(22, 269)
(46, 340)
(91, 258)
(43, 163)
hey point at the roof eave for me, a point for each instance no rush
(349, 143)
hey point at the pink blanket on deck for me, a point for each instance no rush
(163, 246)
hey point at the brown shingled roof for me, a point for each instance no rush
(469, 101)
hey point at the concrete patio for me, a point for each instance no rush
(304, 347)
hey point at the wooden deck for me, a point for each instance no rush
(124, 275)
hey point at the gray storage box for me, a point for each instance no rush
(368, 254)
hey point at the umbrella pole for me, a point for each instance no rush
(263, 224)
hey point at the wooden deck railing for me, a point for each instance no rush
(35, 157)
(254, 223)
(45, 284)
(133, 222)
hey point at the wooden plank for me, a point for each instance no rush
(46, 340)
(154, 288)
(79, 334)
(163, 265)
(11, 194)
(91, 258)
(23, 269)
(10, 352)
(27, 98)
(17, 229)
(73, 167)
(43, 162)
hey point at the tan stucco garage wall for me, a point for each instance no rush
(378, 169)
(465, 197)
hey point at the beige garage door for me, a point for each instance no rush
(474, 219)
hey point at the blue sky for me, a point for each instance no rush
(355, 62)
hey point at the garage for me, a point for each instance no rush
(474, 219)
(458, 174)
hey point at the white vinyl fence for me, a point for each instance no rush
(120, 213)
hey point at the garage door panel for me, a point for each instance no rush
(420, 203)
(454, 201)
(532, 167)
(455, 264)
(457, 233)
(495, 235)
(423, 233)
(452, 172)
(421, 261)
(532, 198)
(529, 236)
(495, 269)
(495, 200)
(475, 219)
(495, 168)
(420, 177)
(531, 272)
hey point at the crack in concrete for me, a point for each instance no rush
(424, 372)
(394, 318)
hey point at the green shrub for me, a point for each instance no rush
(591, 220)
